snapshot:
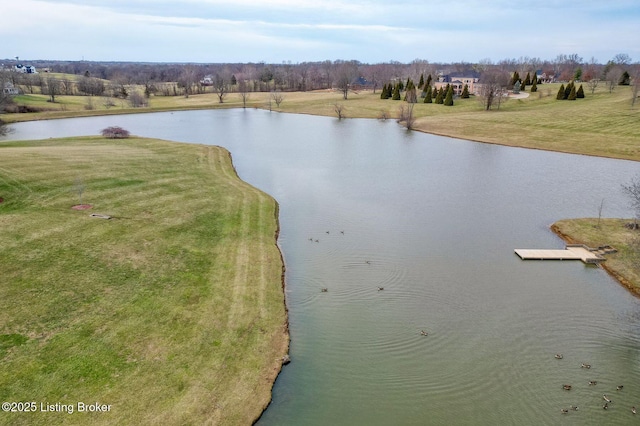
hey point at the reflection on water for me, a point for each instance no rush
(434, 221)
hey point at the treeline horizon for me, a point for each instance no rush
(186, 78)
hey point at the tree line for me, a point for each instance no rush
(114, 79)
(306, 76)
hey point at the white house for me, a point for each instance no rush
(26, 69)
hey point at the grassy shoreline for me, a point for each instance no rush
(602, 124)
(624, 265)
(172, 312)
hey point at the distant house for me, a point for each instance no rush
(207, 80)
(458, 80)
(543, 77)
(361, 83)
(8, 89)
(25, 69)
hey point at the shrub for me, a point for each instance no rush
(115, 132)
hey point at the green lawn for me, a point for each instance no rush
(172, 311)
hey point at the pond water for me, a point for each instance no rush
(434, 221)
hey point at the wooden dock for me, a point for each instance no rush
(571, 252)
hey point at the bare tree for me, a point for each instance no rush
(67, 87)
(345, 73)
(302, 72)
(405, 116)
(377, 74)
(243, 90)
(593, 84)
(339, 109)
(622, 59)
(221, 86)
(632, 191)
(188, 79)
(137, 99)
(612, 74)
(29, 81)
(53, 88)
(6, 97)
(492, 88)
(91, 86)
(277, 97)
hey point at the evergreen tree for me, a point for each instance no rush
(625, 79)
(522, 87)
(515, 77)
(440, 96)
(434, 92)
(534, 86)
(406, 86)
(578, 74)
(448, 101)
(465, 92)
(233, 80)
(567, 90)
(560, 95)
(383, 92)
(572, 93)
(580, 92)
(401, 85)
(427, 96)
(421, 82)
(527, 80)
(429, 80)
(396, 92)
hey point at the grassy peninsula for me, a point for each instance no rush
(623, 265)
(172, 311)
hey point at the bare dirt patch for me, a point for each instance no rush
(81, 207)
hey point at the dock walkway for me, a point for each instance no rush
(571, 252)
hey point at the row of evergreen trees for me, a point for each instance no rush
(520, 85)
(443, 96)
(569, 92)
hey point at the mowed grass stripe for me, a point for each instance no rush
(134, 311)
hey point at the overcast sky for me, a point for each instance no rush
(275, 31)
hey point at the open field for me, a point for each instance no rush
(171, 312)
(623, 265)
(602, 124)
